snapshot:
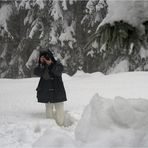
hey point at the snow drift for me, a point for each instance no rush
(114, 123)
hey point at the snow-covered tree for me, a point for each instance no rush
(48, 24)
(90, 35)
(27, 26)
(122, 35)
(96, 11)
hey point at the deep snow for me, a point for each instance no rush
(105, 121)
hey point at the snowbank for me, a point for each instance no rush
(114, 123)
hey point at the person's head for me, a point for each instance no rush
(48, 55)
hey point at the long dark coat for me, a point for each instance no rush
(52, 89)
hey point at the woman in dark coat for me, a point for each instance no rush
(50, 89)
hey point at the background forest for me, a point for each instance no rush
(109, 36)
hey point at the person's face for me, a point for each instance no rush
(42, 59)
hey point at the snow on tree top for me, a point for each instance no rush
(5, 13)
(134, 12)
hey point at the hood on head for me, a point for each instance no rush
(47, 53)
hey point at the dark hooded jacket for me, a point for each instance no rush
(50, 87)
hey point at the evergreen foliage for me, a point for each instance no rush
(118, 42)
(70, 30)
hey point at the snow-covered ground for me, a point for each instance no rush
(101, 111)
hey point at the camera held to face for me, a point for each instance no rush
(45, 59)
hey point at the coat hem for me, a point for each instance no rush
(51, 101)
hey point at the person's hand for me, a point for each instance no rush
(48, 62)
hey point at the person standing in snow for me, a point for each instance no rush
(50, 89)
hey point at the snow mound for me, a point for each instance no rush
(114, 123)
(54, 138)
(82, 74)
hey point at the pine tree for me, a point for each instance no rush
(120, 40)
(96, 11)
